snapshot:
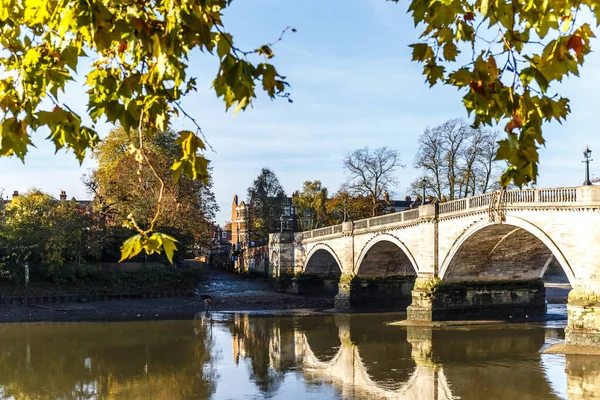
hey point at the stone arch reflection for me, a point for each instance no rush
(349, 371)
(322, 337)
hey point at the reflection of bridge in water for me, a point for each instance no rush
(348, 370)
(361, 357)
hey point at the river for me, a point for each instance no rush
(245, 356)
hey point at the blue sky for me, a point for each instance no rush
(353, 85)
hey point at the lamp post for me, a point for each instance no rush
(424, 182)
(587, 153)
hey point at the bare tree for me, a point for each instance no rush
(429, 159)
(456, 161)
(371, 173)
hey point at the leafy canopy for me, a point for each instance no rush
(135, 55)
(505, 55)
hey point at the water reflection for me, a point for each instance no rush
(334, 357)
(110, 360)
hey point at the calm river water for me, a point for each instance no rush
(241, 356)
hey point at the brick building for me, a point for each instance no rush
(239, 219)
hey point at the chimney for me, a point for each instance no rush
(63, 195)
(407, 198)
(15, 193)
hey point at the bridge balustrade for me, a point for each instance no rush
(411, 215)
(386, 219)
(323, 231)
(555, 195)
(453, 206)
(483, 200)
(362, 224)
(558, 195)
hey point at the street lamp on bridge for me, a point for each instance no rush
(424, 182)
(587, 153)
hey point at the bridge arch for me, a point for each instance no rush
(467, 255)
(321, 272)
(322, 260)
(385, 275)
(386, 242)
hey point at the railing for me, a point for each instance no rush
(557, 195)
(519, 196)
(361, 224)
(483, 200)
(386, 219)
(322, 232)
(411, 214)
(453, 206)
(527, 196)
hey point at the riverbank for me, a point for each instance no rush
(229, 293)
(149, 309)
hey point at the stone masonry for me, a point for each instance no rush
(470, 258)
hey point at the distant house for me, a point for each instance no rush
(401, 205)
(223, 235)
(61, 197)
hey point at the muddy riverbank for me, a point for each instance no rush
(228, 291)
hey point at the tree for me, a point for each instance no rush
(265, 198)
(44, 232)
(124, 191)
(371, 173)
(357, 207)
(136, 58)
(311, 203)
(457, 161)
(515, 51)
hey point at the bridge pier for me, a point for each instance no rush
(355, 293)
(583, 308)
(342, 298)
(436, 300)
(314, 285)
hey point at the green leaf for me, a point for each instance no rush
(433, 73)
(155, 243)
(461, 77)
(224, 41)
(421, 52)
(191, 164)
(530, 73)
(266, 51)
(450, 51)
(169, 246)
(131, 247)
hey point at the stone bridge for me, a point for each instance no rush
(477, 257)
